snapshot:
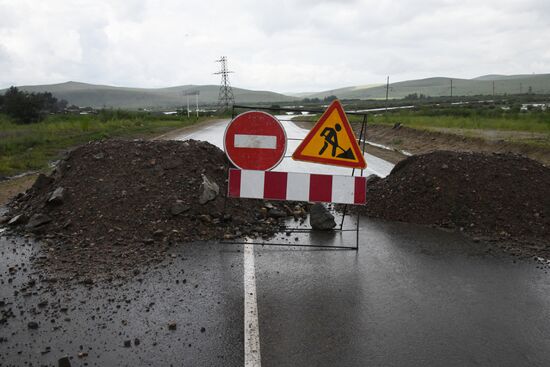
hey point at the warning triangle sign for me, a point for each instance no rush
(331, 141)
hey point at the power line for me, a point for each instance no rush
(225, 97)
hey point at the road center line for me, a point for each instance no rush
(252, 357)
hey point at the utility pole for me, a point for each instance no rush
(387, 91)
(196, 94)
(493, 89)
(225, 97)
(451, 89)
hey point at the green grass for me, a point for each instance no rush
(532, 122)
(30, 147)
(486, 122)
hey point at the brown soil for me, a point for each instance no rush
(498, 197)
(12, 187)
(418, 141)
(116, 211)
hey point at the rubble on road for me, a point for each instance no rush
(114, 205)
(497, 197)
(320, 218)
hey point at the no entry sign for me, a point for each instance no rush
(255, 140)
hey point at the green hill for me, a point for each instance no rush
(441, 86)
(82, 94)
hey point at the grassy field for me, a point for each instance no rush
(489, 123)
(30, 147)
(532, 122)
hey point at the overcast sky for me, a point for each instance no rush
(285, 46)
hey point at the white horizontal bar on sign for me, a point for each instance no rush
(255, 141)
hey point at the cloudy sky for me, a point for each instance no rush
(285, 45)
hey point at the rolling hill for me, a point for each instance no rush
(441, 86)
(82, 94)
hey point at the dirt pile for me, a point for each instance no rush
(117, 204)
(501, 197)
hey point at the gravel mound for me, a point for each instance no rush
(501, 197)
(118, 204)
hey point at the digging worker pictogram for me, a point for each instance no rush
(331, 137)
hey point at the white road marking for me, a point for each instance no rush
(255, 141)
(252, 356)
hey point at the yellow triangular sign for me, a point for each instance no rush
(331, 141)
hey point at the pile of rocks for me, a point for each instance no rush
(501, 197)
(117, 204)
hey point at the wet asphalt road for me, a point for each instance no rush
(411, 296)
(198, 286)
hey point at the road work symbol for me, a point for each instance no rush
(331, 137)
(331, 141)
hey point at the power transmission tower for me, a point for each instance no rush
(225, 97)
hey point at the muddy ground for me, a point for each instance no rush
(11, 187)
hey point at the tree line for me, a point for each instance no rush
(27, 108)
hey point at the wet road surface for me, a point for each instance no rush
(198, 287)
(214, 133)
(411, 296)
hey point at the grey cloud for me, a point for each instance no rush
(288, 45)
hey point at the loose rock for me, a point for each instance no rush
(320, 218)
(208, 190)
(64, 362)
(57, 196)
(38, 220)
(179, 207)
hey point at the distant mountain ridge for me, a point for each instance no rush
(98, 96)
(441, 86)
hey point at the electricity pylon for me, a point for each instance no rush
(225, 97)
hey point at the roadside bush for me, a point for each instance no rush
(26, 108)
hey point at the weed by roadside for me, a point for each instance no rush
(31, 147)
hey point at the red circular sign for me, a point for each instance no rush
(255, 140)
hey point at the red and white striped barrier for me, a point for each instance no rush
(297, 186)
